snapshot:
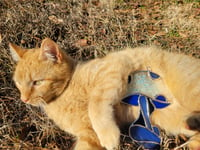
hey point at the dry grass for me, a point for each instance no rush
(85, 29)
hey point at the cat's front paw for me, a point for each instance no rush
(109, 138)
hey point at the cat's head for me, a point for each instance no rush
(41, 74)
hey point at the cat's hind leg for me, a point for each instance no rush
(194, 142)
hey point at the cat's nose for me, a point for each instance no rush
(24, 97)
(24, 100)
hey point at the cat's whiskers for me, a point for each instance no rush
(39, 101)
(42, 102)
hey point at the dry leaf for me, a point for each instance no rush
(81, 43)
(183, 34)
(55, 19)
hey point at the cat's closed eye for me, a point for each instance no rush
(37, 82)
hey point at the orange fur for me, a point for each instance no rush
(85, 98)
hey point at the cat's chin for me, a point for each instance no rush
(35, 102)
(29, 102)
(25, 101)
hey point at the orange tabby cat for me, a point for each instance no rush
(85, 98)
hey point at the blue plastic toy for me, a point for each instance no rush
(143, 92)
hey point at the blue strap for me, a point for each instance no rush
(159, 101)
(153, 75)
(142, 130)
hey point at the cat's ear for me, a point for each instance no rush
(16, 52)
(51, 51)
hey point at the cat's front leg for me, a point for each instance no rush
(103, 122)
(107, 88)
(101, 112)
